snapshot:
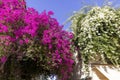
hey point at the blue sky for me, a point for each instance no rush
(63, 9)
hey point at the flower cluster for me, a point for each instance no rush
(25, 32)
(98, 33)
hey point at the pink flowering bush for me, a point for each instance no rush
(29, 38)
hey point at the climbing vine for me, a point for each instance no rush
(33, 41)
(97, 33)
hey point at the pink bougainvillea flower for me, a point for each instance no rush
(21, 42)
(3, 59)
(50, 13)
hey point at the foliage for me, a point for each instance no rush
(97, 33)
(35, 38)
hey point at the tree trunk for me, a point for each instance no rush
(77, 66)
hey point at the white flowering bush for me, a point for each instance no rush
(97, 33)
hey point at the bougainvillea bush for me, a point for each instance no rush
(97, 33)
(32, 43)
